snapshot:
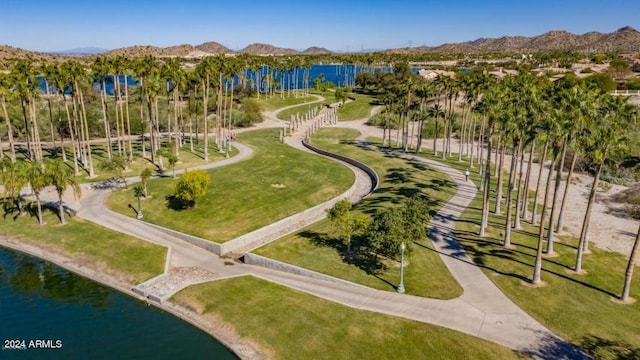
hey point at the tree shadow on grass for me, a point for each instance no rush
(551, 347)
(176, 204)
(359, 257)
(601, 348)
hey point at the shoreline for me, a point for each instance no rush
(217, 329)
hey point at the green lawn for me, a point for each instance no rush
(99, 152)
(289, 324)
(276, 102)
(316, 248)
(298, 110)
(122, 256)
(356, 110)
(276, 182)
(579, 308)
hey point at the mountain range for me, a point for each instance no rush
(625, 39)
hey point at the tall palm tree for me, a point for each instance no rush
(630, 266)
(607, 133)
(5, 95)
(38, 180)
(100, 69)
(61, 177)
(14, 179)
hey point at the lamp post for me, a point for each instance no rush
(139, 211)
(401, 286)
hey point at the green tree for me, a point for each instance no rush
(14, 179)
(62, 177)
(145, 175)
(117, 166)
(346, 223)
(602, 81)
(191, 186)
(38, 180)
(341, 95)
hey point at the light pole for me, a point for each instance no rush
(401, 286)
(139, 212)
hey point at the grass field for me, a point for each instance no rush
(358, 109)
(99, 152)
(276, 182)
(578, 308)
(119, 255)
(316, 248)
(289, 324)
(276, 102)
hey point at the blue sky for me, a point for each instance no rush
(337, 25)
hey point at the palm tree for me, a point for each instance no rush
(607, 133)
(38, 180)
(61, 177)
(14, 179)
(630, 266)
(435, 111)
(6, 94)
(101, 68)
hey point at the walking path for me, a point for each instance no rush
(481, 311)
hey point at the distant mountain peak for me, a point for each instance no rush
(626, 28)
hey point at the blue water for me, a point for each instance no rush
(40, 301)
(339, 75)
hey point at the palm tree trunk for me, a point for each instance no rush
(487, 188)
(516, 224)
(630, 266)
(583, 244)
(471, 140)
(435, 137)
(73, 140)
(574, 157)
(480, 144)
(61, 207)
(510, 183)
(556, 190)
(9, 129)
(535, 195)
(527, 179)
(51, 130)
(126, 105)
(40, 220)
(497, 210)
(86, 129)
(107, 127)
(537, 268)
(205, 99)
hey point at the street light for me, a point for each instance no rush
(138, 192)
(401, 286)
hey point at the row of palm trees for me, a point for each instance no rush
(37, 175)
(518, 115)
(71, 86)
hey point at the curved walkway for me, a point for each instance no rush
(481, 311)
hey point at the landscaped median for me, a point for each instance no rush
(278, 181)
(289, 324)
(317, 248)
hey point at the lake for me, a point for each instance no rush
(57, 314)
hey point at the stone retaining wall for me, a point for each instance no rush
(372, 174)
(193, 240)
(253, 259)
